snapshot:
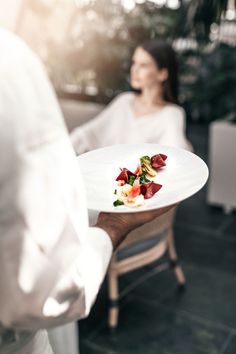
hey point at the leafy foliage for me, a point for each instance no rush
(202, 13)
(211, 94)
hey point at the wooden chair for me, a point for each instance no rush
(142, 246)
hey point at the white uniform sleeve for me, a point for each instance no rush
(52, 264)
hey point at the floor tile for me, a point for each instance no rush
(231, 227)
(97, 316)
(231, 347)
(196, 213)
(90, 348)
(156, 286)
(209, 294)
(204, 250)
(148, 329)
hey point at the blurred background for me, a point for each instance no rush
(86, 46)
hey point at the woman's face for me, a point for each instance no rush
(144, 72)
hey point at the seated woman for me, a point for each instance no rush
(149, 115)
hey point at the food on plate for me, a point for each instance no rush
(134, 187)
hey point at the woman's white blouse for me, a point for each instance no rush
(117, 125)
(52, 263)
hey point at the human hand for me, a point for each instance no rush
(118, 225)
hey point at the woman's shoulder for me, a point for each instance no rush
(173, 110)
(124, 96)
(174, 107)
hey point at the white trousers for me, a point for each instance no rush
(64, 339)
(38, 344)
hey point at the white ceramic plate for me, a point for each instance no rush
(184, 175)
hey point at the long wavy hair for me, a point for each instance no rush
(165, 58)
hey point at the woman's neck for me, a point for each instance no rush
(152, 97)
(149, 101)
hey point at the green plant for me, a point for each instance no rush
(211, 93)
(203, 13)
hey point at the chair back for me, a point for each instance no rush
(153, 228)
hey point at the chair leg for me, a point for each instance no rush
(174, 260)
(113, 300)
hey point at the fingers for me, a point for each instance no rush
(140, 217)
(147, 214)
(118, 225)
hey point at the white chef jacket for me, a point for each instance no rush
(52, 264)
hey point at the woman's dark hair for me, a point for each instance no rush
(165, 58)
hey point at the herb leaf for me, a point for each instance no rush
(131, 180)
(143, 178)
(118, 202)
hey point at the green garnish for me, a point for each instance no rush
(118, 202)
(131, 180)
(143, 178)
(115, 191)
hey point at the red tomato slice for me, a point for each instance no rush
(135, 191)
(138, 170)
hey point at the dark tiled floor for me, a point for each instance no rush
(230, 347)
(154, 317)
(148, 328)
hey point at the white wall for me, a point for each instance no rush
(8, 13)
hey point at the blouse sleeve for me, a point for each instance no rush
(96, 132)
(174, 131)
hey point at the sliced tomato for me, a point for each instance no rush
(138, 170)
(135, 191)
(149, 189)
